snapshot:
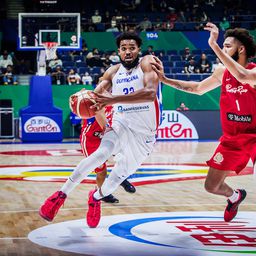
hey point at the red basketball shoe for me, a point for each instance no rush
(52, 205)
(94, 210)
(232, 208)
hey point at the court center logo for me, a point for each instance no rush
(148, 234)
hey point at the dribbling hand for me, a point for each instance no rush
(102, 100)
(157, 66)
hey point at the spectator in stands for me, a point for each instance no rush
(9, 77)
(145, 25)
(113, 25)
(96, 18)
(172, 18)
(73, 77)
(55, 62)
(163, 6)
(182, 107)
(204, 64)
(5, 60)
(114, 58)
(216, 64)
(191, 66)
(58, 77)
(86, 78)
(181, 17)
(93, 58)
(106, 61)
(97, 77)
(224, 24)
(128, 4)
(186, 54)
(149, 51)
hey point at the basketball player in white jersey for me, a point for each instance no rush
(132, 88)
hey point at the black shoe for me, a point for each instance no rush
(128, 187)
(110, 199)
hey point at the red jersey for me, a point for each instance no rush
(92, 133)
(237, 105)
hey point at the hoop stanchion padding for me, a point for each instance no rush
(41, 120)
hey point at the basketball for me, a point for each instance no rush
(81, 102)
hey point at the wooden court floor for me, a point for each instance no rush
(20, 200)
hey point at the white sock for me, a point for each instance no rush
(234, 197)
(68, 186)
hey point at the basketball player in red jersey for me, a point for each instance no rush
(90, 138)
(237, 107)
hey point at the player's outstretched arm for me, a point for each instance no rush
(242, 74)
(193, 87)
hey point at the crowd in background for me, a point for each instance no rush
(86, 66)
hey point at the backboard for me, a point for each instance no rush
(38, 28)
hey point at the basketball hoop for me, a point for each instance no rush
(50, 50)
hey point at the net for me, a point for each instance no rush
(50, 50)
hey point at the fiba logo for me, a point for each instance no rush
(218, 158)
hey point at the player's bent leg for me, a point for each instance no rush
(52, 205)
(101, 175)
(214, 182)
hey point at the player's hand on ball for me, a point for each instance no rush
(102, 100)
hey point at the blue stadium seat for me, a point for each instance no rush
(180, 64)
(208, 51)
(80, 64)
(211, 57)
(78, 58)
(197, 51)
(167, 70)
(170, 75)
(166, 63)
(165, 58)
(82, 70)
(172, 52)
(175, 58)
(68, 63)
(179, 26)
(66, 58)
(204, 76)
(182, 77)
(177, 70)
(95, 70)
(195, 77)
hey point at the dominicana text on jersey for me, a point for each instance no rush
(141, 117)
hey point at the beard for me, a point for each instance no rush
(235, 56)
(130, 65)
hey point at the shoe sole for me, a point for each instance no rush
(44, 217)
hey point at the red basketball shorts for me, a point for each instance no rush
(234, 152)
(90, 141)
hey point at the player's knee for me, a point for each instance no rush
(210, 187)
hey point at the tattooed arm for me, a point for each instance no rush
(199, 88)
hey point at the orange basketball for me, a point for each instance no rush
(81, 102)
